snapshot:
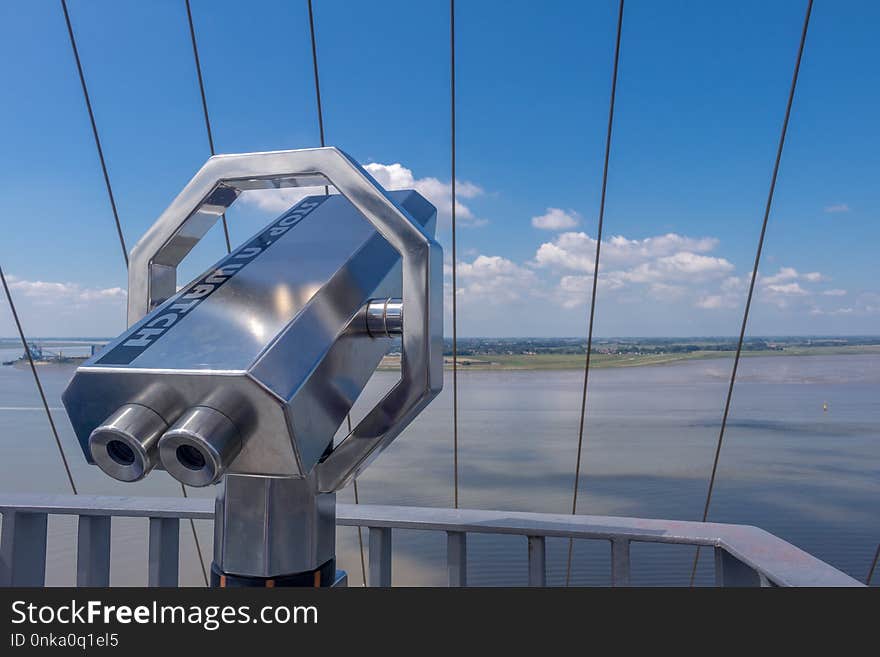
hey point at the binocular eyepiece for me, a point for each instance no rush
(196, 450)
(125, 445)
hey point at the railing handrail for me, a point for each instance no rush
(779, 561)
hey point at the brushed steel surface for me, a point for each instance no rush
(384, 318)
(296, 526)
(124, 446)
(256, 363)
(277, 332)
(198, 449)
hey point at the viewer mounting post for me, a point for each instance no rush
(243, 377)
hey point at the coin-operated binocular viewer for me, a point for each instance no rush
(243, 377)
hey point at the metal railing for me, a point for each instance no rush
(744, 555)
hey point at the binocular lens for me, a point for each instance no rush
(120, 452)
(125, 445)
(199, 447)
(190, 457)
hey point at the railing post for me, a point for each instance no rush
(93, 551)
(620, 562)
(23, 549)
(380, 556)
(537, 561)
(164, 551)
(730, 571)
(456, 558)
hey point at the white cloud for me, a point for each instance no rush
(667, 292)
(680, 266)
(866, 304)
(787, 285)
(574, 291)
(667, 267)
(493, 279)
(575, 251)
(279, 200)
(572, 251)
(397, 176)
(46, 292)
(786, 274)
(736, 283)
(625, 251)
(556, 219)
(731, 294)
(391, 177)
(834, 312)
(837, 208)
(713, 302)
(64, 308)
(787, 289)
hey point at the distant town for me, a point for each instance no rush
(569, 353)
(640, 346)
(541, 353)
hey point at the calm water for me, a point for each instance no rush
(809, 476)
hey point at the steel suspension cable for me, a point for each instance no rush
(27, 351)
(745, 319)
(327, 192)
(873, 566)
(590, 322)
(86, 96)
(192, 34)
(317, 80)
(454, 259)
(85, 90)
(192, 525)
(357, 500)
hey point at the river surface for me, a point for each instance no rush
(809, 475)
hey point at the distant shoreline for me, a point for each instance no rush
(535, 362)
(545, 354)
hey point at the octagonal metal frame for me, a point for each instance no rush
(154, 260)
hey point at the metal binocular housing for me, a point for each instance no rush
(245, 375)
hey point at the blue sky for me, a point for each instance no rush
(701, 94)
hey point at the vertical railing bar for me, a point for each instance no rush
(380, 556)
(719, 567)
(93, 551)
(164, 552)
(456, 558)
(23, 549)
(537, 561)
(620, 562)
(730, 571)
